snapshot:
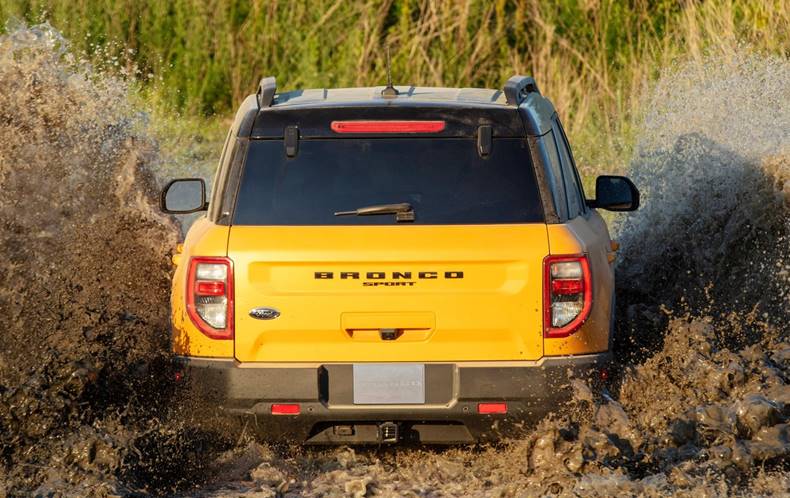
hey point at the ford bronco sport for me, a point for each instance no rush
(394, 264)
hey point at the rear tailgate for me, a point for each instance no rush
(451, 293)
(461, 281)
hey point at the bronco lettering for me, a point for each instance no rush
(395, 275)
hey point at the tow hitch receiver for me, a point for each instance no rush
(388, 432)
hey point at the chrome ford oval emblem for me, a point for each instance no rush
(264, 313)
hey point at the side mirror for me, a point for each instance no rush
(184, 196)
(615, 193)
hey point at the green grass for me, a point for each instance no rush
(593, 58)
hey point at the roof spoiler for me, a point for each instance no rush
(266, 90)
(518, 87)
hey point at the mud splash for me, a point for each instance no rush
(713, 164)
(84, 397)
(700, 407)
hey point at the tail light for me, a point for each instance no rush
(567, 294)
(210, 296)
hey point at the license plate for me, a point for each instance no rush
(389, 384)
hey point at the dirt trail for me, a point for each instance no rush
(700, 407)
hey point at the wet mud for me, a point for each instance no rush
(699, 404)
(85, 394)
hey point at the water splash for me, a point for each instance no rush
(713, 163)
(85, 279)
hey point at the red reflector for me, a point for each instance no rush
(286, 409)
(387, 126)
(486, 408)
(210, 288)
(565, 287)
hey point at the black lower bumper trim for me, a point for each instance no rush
(327, 414)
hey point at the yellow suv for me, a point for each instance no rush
(394, 264)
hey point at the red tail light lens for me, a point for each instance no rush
(286, 409)
(387, 126)
(210, 288)
(210, 296)
(491, 408)
(567, 294)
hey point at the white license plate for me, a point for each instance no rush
(389, 383)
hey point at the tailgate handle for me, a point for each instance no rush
(390, 334)
(388, 326)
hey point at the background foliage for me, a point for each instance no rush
(593, 58)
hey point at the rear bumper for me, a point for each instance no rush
(328, 414)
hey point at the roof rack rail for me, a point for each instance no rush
(266, 91)
(518, 87)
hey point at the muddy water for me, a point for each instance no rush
(700, 405)
(85, 402)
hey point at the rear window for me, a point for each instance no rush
(445, 181)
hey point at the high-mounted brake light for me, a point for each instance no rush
(567, 294)
(387, 126)
(210, 296)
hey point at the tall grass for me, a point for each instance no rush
(593, 58)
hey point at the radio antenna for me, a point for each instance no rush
(389, 91)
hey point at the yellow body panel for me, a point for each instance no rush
(493, 313)
(204, 239)
(586, 236)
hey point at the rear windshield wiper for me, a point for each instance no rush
(402, 211)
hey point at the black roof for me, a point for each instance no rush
(268, 112)
(407, 95)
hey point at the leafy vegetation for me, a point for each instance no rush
(594, 58)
